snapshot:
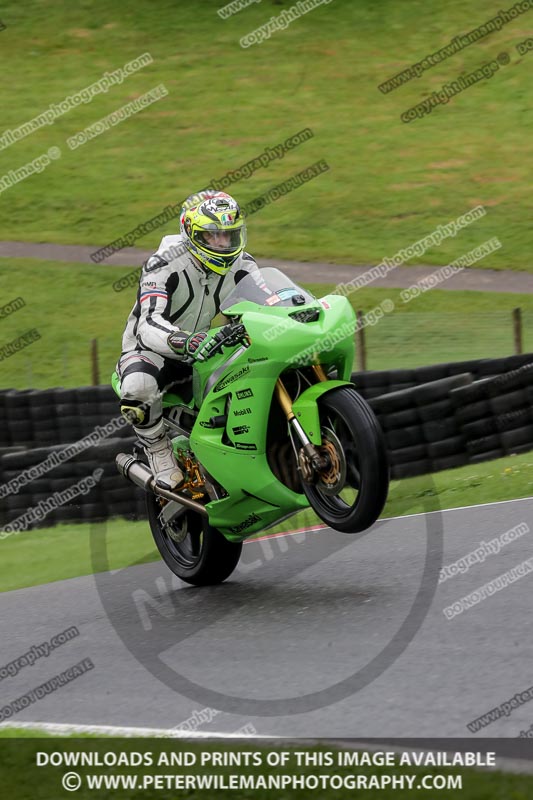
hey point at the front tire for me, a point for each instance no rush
(196, 552)
(349, 496)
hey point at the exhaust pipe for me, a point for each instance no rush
(134, 471)
(139, 474)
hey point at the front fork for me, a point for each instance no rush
(319, 461)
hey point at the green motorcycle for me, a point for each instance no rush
(273, 425)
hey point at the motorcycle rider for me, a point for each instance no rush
(180, 291)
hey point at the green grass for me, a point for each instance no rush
(53, 554)
(70, 304)
(389, 183)
(36, 733)
(440, 326)
(28, 559)
(22, 779)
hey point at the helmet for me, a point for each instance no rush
(196, 199)
(220, 215)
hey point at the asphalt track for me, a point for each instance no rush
(303, 614)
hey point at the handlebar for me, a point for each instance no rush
(228, 336)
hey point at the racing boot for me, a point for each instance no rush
(163, 463)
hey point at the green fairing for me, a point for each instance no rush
(240, 381)
(306, 408)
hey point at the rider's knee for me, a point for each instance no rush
(140, 399)
(139, 386)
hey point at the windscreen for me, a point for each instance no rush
(269, 288)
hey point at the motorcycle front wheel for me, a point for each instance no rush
(196, 552)
(349, 494)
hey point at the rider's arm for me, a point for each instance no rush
(156, 288)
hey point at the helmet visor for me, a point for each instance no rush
(219, 240)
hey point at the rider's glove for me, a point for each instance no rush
(194, 346)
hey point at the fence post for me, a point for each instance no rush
(360, 343)
(94, 362)
(517, 329)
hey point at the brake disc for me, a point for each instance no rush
(333, 478)
(173, 520)
(180, 534)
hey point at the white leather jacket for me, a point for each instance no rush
(177, 293)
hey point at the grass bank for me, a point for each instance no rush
(389, 183)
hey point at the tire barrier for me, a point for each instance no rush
(420, 428)
(495, 414)
(35, 424)
(33, 417)
(434, 418)
(468, 417)
(110, 496)
(372, 384)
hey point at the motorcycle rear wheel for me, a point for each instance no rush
(196, 552)
(350, 495)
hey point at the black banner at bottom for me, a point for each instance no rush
(169, 768)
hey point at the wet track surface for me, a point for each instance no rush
(317, 634)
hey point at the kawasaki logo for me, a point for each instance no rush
(230, 379)
(246, 523)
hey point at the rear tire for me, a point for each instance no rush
(203, 557)
(367, 467)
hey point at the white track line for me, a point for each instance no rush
(463, 508)
(316, 528)
(66, 728)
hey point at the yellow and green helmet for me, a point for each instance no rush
(215, 232)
